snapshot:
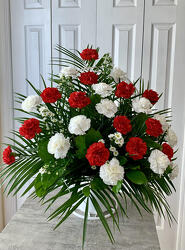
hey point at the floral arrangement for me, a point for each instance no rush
(94, 137)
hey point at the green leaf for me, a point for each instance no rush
(85, 223)
(138, 123)
(102, 218)
(97, 184)
(100, 62)
(122, 160)
(81, 146)
(117, 187)
(48, 179)
(133, 167)
(137, 177)
(86, 191)
(43, 151)
(95, 99)
(92, 136)
(40, 191)
(151, 143)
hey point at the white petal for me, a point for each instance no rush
(79, 124)
(111, 172)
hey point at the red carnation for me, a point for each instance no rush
(30, 128)
(136, 148)
(154, 127)
(8, 156)
(167, 150)
(88, 78)
(79, 100)
(151, 95)
(50, 95)
(124, 90)
(89, 54)
(97, 154)
(122, 124)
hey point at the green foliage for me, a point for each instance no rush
(95, 99)
(122, 160)
(43, 152)
(138, 123)
(92, 136)
(151, 143)
(86, 191)
(117, 187)
(136, 177)
(98, 184)
(43, 182)
(81, 146)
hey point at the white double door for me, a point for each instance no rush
(145, 37)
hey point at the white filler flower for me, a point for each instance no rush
(107, 108)
(171, 137)
(44, 111)
(42, 171)
(31, 102)
(142, 105)
(79, 124)
(163, 121)
(102, 89)
(111, 172)
(175, 171)
(58, 145)
(119, 74)
(68, 71)
(158, 161)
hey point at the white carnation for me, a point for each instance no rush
(171, 137)
(79, 124)
(68, 71)
(111, 172)
(102, 89)
(142, 105)
(175, 171)
(119, 74)
(58, 145)
(31, 102)
(158, 161)
(163, 121)
(107, 108)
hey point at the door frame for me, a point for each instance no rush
(8, 204)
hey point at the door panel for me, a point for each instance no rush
(163, 66)
(73, 24)
(120, 32)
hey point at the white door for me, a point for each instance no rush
(31, 47)
(120, 32)
(164, 66)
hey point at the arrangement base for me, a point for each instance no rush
(92, 214)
